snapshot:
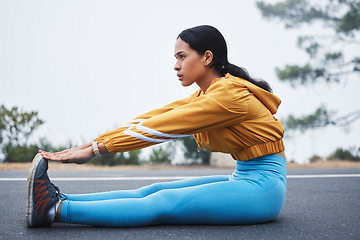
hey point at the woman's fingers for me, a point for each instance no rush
(55, 156)
(75, 155)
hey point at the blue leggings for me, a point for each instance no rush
(254, 193)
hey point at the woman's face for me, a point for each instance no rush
(190, 66)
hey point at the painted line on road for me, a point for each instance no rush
(324, 176)
(173, 178)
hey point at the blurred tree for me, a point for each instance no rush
(16, 126)
(133, 157)
(25, 153)
(190, 149)
(46, 145)
(120, 158)
(344, 154)
(162, 154)
(315, 159)
(329, 58)
(109, 159)
(20, 153)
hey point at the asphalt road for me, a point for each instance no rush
(320, 204)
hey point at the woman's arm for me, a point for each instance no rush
(202, 114)
(85, 153)
(79, 155)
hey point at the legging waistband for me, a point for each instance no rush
(265, 166)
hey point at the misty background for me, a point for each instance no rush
(89, 66)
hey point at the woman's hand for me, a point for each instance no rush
(79, 155)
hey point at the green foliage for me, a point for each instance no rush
(356, 62)
(344, 154)
(339, 154)
(46, 145)
(161, 154)
(133, 157)
(333, 56)
(310, 45)
(297, 12)
(191, 152)
(16, 153)
(294, 12)
(108, 159)
(316, 158)
(25, 153)
(294, 73)
(129, 158)
(321, 117)
(342, 18)
(16, 126)
(351, 20)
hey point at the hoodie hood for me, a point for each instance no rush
(271, 101)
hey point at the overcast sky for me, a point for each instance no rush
(90, 66)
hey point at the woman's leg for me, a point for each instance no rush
(147, 190)
(221, 202)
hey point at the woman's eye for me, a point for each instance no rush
(180, 56)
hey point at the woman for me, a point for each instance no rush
(230, 113)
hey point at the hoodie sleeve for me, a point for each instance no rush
(179, 119)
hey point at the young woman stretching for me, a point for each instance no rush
(230, 113)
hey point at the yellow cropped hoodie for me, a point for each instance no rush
(233, 116)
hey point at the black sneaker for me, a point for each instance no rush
(42, 194)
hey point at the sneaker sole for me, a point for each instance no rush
(30, 185)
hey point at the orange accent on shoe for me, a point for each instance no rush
(39, 195)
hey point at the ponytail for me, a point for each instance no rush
(242, 73)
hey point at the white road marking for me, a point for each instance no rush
(323, 176)
(172, 178)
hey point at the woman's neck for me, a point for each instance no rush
(205, 83)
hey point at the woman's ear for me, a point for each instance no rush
(208, 58)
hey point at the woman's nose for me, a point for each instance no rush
(177, 66)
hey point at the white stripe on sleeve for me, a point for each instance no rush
(153, 132)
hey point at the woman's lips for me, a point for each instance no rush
(180, 77)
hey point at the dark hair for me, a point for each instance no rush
(205, 37)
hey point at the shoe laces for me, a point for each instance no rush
(58, 193)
